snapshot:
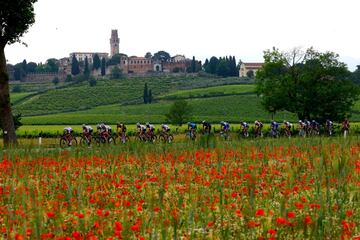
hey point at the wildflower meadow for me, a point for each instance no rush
(263, 189)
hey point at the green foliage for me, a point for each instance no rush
(52, 65)
(103, 67)
(55, 81)
(75, 68)
(68, 78)
(16, 89)
(92, 81)
(96, 62)
(15, 19)
(161, 56)
(150, 97)
(146, 94)
(86, 69)
(116, 73)
(224, 67)
(355, 76)
(114, 60)
(179, 112)
(312, 85)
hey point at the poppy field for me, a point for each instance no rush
(268, 189)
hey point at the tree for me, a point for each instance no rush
(114, 60)
(96, 62)
(103, 67)
(161, 56)
(212, 66)
(311, 84)
(15, 19)
(17, 121)
(31, 67)
(116, 73)
(193, 65)
(52, 65)
(150, 97)
(355, 76)
(92, 81)
(179, 112)
(75, 69)
(146, 94)
(86, 69)
(56, 81)
(68, 78)
(148, 55)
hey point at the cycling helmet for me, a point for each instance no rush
(203, 121)
(138, 124)
(162, 125)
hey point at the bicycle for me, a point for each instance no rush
(146, 137)
(245, 132)
(86, 139)
(345, 131)
(68, 140)
(274, 133)
(123, 138)
(225, 135)
(166, 137)
(191, 134)
(104, 138)
(258, 132)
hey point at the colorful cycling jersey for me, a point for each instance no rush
(192, 125)
(150, 127)
(274, 125)
(141, 127)
(258, 124)
(121, 126)
(206, 125)
(165, 128)
(287, 124)
(225, 125)
(307, 122)
(87, 129)
(68, 130)
(314, 123)
(329, 123)
(244, 124)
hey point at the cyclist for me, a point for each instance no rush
(120, 128)
(192, 129)
(345, 125)
(287, 126)
(87, 131)
(151, 129)
(141, 129)
(206, 127)
(329, 126)
(225, 126)
(315, 127)
(165, 128)
(302, 128)
(68, 131)
(274, 128)
(258, 128)
(307, 126)
(121, 131)
(104, 130)
(245, 128)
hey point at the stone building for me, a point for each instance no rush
(80, 56)
(114, 43)
(245, 68)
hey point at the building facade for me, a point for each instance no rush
(246, 68)
(80, 56)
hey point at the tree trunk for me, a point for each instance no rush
(6, 117)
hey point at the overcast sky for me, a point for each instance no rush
(200, 28)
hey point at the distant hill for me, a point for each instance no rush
(110, 101)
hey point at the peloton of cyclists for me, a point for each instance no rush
(224, 126)
(206, 127)
(87, 131)
(274, 126)
(329, 126)
(165, 129)
(141, 129)
(150, 130)
(345, 126)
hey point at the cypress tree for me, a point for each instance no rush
(146, 94)
(96, 62)
(86, 68)
(150, 96)
(75, 69)
(103, 67)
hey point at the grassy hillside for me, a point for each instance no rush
(125, 91)
(230, 108)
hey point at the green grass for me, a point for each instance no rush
(124, 91)
(230, 108)
(211, 91)
(17, 97)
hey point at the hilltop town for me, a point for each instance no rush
(103, 64)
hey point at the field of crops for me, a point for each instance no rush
(268, 189)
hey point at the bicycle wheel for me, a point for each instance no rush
(73, 142)
(84, 142)
(63, 142)
(111, 140)
(170, 138)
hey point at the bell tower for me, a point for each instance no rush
(114, 43)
